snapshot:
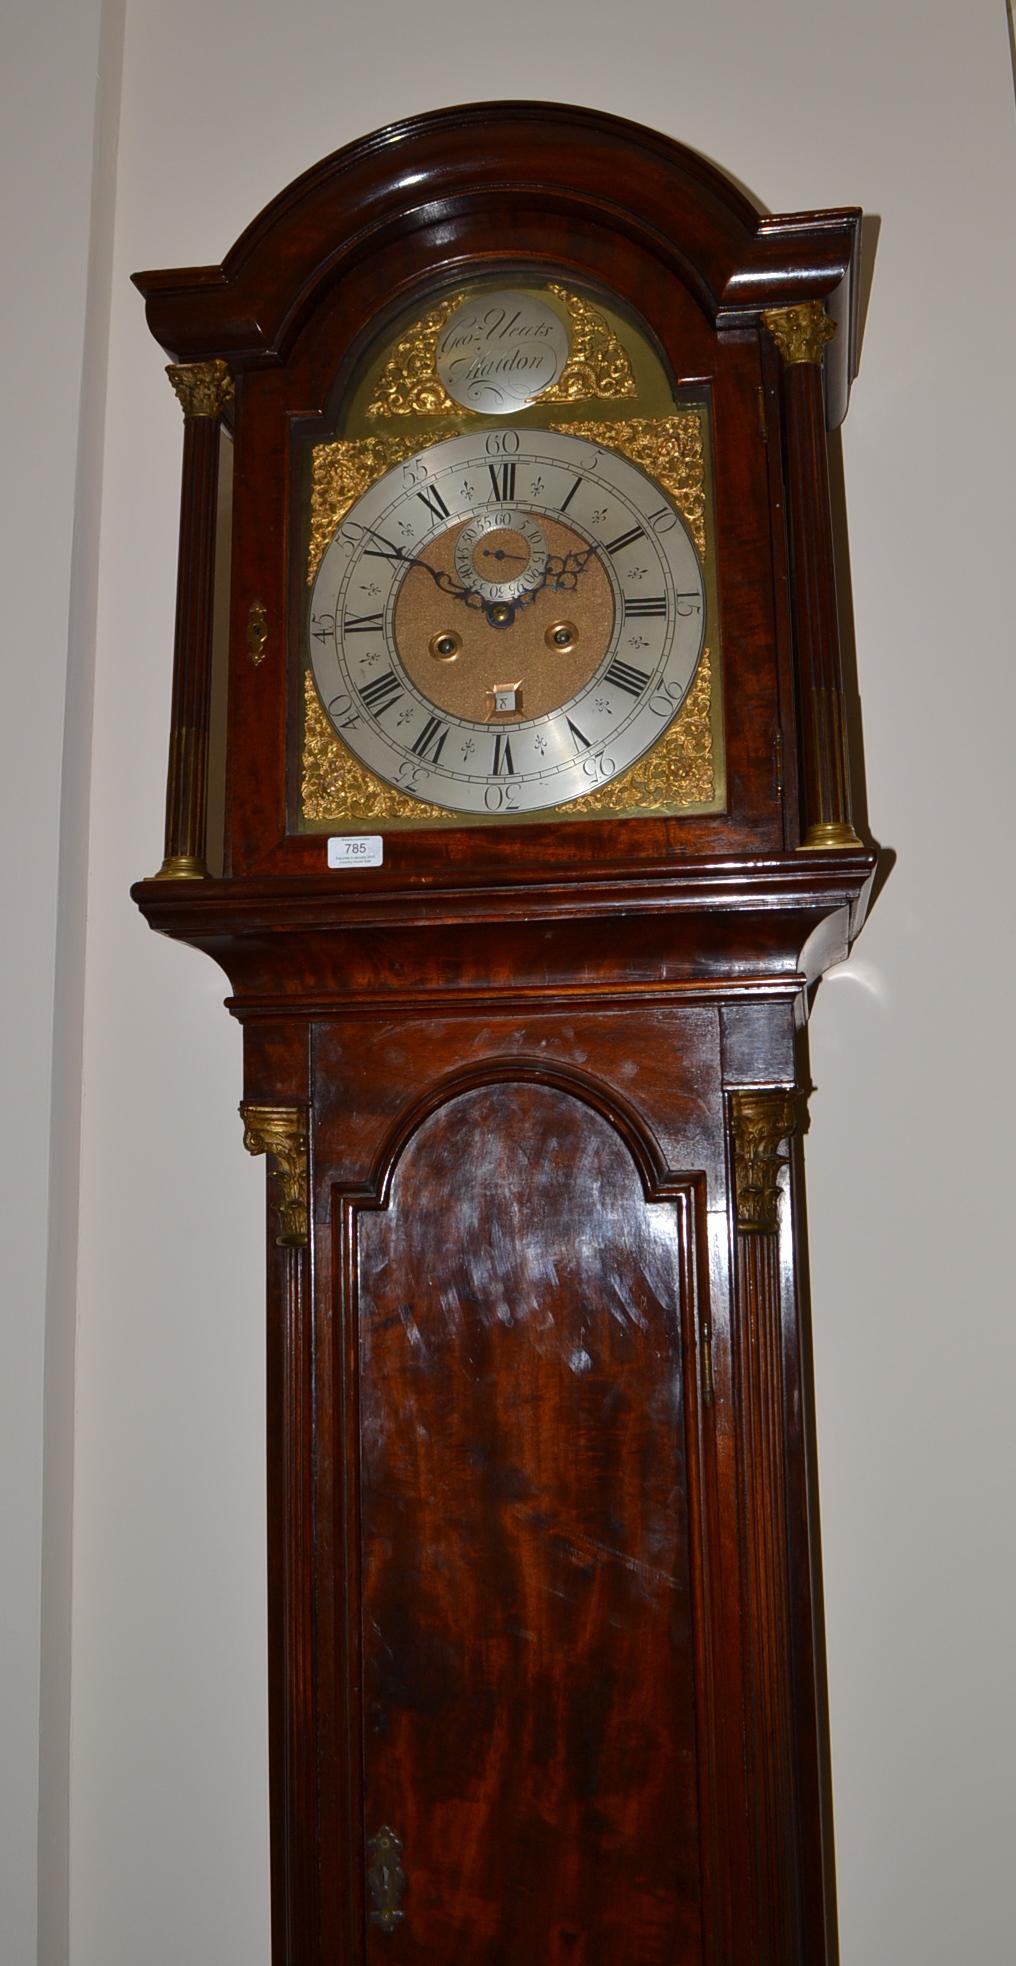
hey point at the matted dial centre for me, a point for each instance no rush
(544, 673)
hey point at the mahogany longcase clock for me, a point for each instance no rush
(517, 813)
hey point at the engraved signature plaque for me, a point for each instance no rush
(499, 351)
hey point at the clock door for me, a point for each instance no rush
(527, 1630)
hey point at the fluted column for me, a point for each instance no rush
(761, 1121)
(281, 1133)
(800, 334)
(204, 389)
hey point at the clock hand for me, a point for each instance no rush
(563, 569)
(560, 574)
(386, 549)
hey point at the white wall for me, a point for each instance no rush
(908, 111)
(56, 192)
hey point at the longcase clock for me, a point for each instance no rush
(513, 800)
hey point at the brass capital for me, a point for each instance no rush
(203, 388)
(801, 332)
(761, 1119)
(281, 1132)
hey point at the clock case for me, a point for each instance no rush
(632, 988)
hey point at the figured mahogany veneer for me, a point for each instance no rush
(544, 1657)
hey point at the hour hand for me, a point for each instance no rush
(560, 575)
(563, 569)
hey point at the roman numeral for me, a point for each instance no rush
(430, 742)
(579, 736)
(503, 755)
(624, 675)
(362, 624)
(382, 692)
(502, 479)
(653, 604)
(432, 499)
(385, 550)
(571, 494)
(625, 539)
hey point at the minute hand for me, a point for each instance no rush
(386, 549)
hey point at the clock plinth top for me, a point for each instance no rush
(470, 166)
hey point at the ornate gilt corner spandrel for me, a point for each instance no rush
(597, 366)
(761, 1119)
(203, 388)
(281, 1132)
(801, 332)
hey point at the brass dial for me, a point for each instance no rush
(507, 621)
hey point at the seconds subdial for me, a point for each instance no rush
(501, 555)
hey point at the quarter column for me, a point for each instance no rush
(800, 334)
(762, 1120)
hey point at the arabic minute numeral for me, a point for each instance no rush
(501, 798)
(650, 604)
(665, 701)
(693, 600)
(664, 520)
(624, 675)
(362, 624)
(322, 627)
(339, 708)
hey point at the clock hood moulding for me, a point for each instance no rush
(737, 261)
